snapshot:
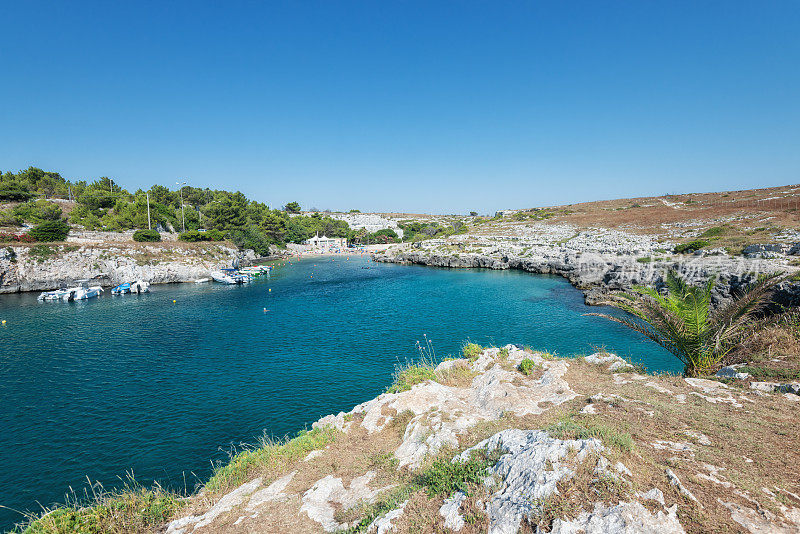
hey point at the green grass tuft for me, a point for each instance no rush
(471, 351)
(568, 428)
(410, 374)
(269, 455)
(133, 508)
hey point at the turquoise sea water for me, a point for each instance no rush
(139, 383)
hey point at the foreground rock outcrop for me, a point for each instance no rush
(576, 445)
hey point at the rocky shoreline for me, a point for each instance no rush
(108, 263)
(599, 272)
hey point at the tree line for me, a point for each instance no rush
(103, 204)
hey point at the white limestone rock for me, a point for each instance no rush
(224, 505)
(450, 511)
(384, 524)
(529, 470)
(493, 393)
(318, 502)
(622, 518)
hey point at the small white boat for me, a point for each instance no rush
(56, 294)
(231, 276)
(82, 291)
(223, 278)
(202, 280)
(140, 286)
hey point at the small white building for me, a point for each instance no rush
(326, 243)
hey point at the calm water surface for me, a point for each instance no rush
(142, 384)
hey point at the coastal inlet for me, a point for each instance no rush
(136, 382)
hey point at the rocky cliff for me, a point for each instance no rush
(46, 266)
(596, 261)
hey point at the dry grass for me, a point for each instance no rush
(763, 431)
(577, 494)
(740, 215)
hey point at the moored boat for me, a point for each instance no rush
(222, 277)
(82, 291)
(54, 295)
(121, 289)
(140, 286)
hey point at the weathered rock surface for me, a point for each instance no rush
(110, 263)
(622, 518)
(533, 466)
(597, 261)
(491, 393)
(318, 502)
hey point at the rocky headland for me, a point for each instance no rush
(584, 445)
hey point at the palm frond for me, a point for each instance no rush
(682, 321)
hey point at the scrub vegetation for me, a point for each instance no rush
(131, 509)
(684, 323)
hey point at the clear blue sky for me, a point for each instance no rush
(406, 106)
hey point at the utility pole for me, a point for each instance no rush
(147, 193)
(183, 214)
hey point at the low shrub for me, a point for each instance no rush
(526, 366)
(471, 351)
(714, 231)
(8, 238)
(691, 246)
(50, 231)
(143, 236)
(42, 252)
(411, 374)
(444, 477)
(9, 218)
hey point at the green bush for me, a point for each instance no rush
(714, 231)
(37, 211)
(146, 236)
(526, 366)
(191, 236)
(8, 218)
(214, 235)
(253, 238)
(50, 231)
(697, 244)
(471, 351)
